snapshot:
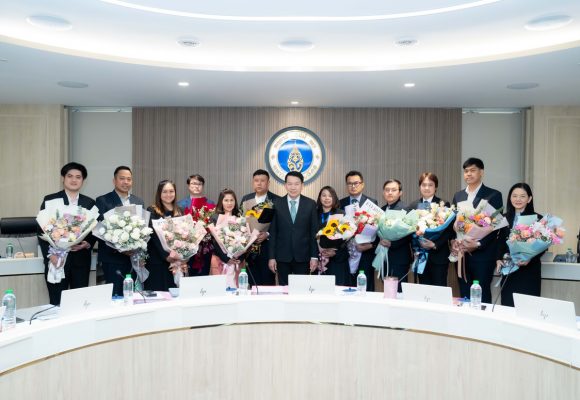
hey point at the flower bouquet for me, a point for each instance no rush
(126, 229)
(530, 237)
(64, 226)
(234, 236)
(365, 219)
(393, 225)
(476, 223)
(431, 224)
(259, 217)
(179, 236)
(201, 214)
(338, 230)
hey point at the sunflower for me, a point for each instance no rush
(333, 224)
(343, 228)
(252, 213)
(328, 231)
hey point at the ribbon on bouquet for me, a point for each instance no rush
(460, 258)
(140, 270)
(179, 270)
(382, 257)
(354, 256)
(323, 261)
(229, 270)
(420, 260)
(56, 272)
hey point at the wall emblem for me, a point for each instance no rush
(295, 149)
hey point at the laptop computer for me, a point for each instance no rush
(542, 309)
(202, 286)
(427, 293)
(311, 284)
(92, 298)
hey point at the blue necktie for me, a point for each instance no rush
(354, 201)
(293, 210)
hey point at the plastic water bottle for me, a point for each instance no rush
(361, 283)
(128, 290)
(570, 256)
(9, 317)
(475, 294)
(10, 251)
(243, 282)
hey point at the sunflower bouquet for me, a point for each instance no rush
(337, 231)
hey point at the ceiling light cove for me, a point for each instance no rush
(380, 14)
(49, 22)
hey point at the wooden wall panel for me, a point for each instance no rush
(225, 145)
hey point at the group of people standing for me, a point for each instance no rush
(290, 245)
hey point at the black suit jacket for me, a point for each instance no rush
(269, 196)
(368, 256)
(400, 251)
(294, 241)
(441, 255)
(487, 250)
(105, 203)
(81, 257)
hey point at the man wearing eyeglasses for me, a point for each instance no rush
(355, 185)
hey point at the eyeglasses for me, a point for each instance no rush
(193, 183)
(353, 184)
(390, 190)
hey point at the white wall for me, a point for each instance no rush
(498, 140)
(100, 141)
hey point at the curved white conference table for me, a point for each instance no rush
(281, 346)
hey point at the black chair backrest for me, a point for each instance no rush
(18, 225)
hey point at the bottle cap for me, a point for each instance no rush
(243, 270)
(128, 276)
(361, 271)
(9, 291)
(476, 282)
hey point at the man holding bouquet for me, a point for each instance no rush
(293, 248)
(257, 260)
(479, 254)
(78, 261)
(110, 259)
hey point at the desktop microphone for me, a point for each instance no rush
(254, 279)
(39, 312)
(138, 291)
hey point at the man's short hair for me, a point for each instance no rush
(473, 161)
(261, 172)
(296, 174)
(197, 177)
(398, 182)
(353, 173)
(122, 168)
(74, 165)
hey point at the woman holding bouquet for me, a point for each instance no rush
(227, 206)
(160, 276)
(327, 204)
(200, 208)
(528, 278)
(437, 266)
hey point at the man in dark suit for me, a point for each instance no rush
(293, 248)
(355, 185)
(110, 259)
(78, 261)
(479, 255)
(257, 263)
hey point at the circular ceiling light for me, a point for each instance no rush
(72, 84)
(549, 22)
(189, 42)
(49, 22)
(183, 84)
(296, 45)
(523, 85)
(406, 42)
(294, 102)
(409, 85)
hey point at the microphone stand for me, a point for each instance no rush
(39, 312)
(506, 258)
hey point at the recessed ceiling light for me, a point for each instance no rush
(406, 42)
(294, 103)
(72, 84)
(296, 45)
(49, 22)
(183, 84)
(409, 84)
(189, 42)
(548, 22)
(523, 85)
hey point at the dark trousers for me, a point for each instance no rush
(205, 260)
(340, 271)
(526, 280)
(111, 275)
(434, 274)
(76, 276)
(293, 267)
(160, 277)
(477, 270)
(258, 271)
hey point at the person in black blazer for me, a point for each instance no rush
(400, 255)
(479, 255)
(293, 248)
(528, 278)
(160, 277)
(111, 260)
(435, 272)
(257, 263)
(355, 185)
(327, 205)
(78, 262)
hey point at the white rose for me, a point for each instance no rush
(108, 237)
(126, 214)
(114, 239)
(124, 237)
(102, 231)
(135, 235)
(122, 223)
(128, 228)
(136, 231)
(117, 232)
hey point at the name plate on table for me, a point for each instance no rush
(427, 293)
(202, 286)
(311, 284)
(541, 309)
(92, 298)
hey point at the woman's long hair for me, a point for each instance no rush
(510, 210)
(219, 209)
(158, 205)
